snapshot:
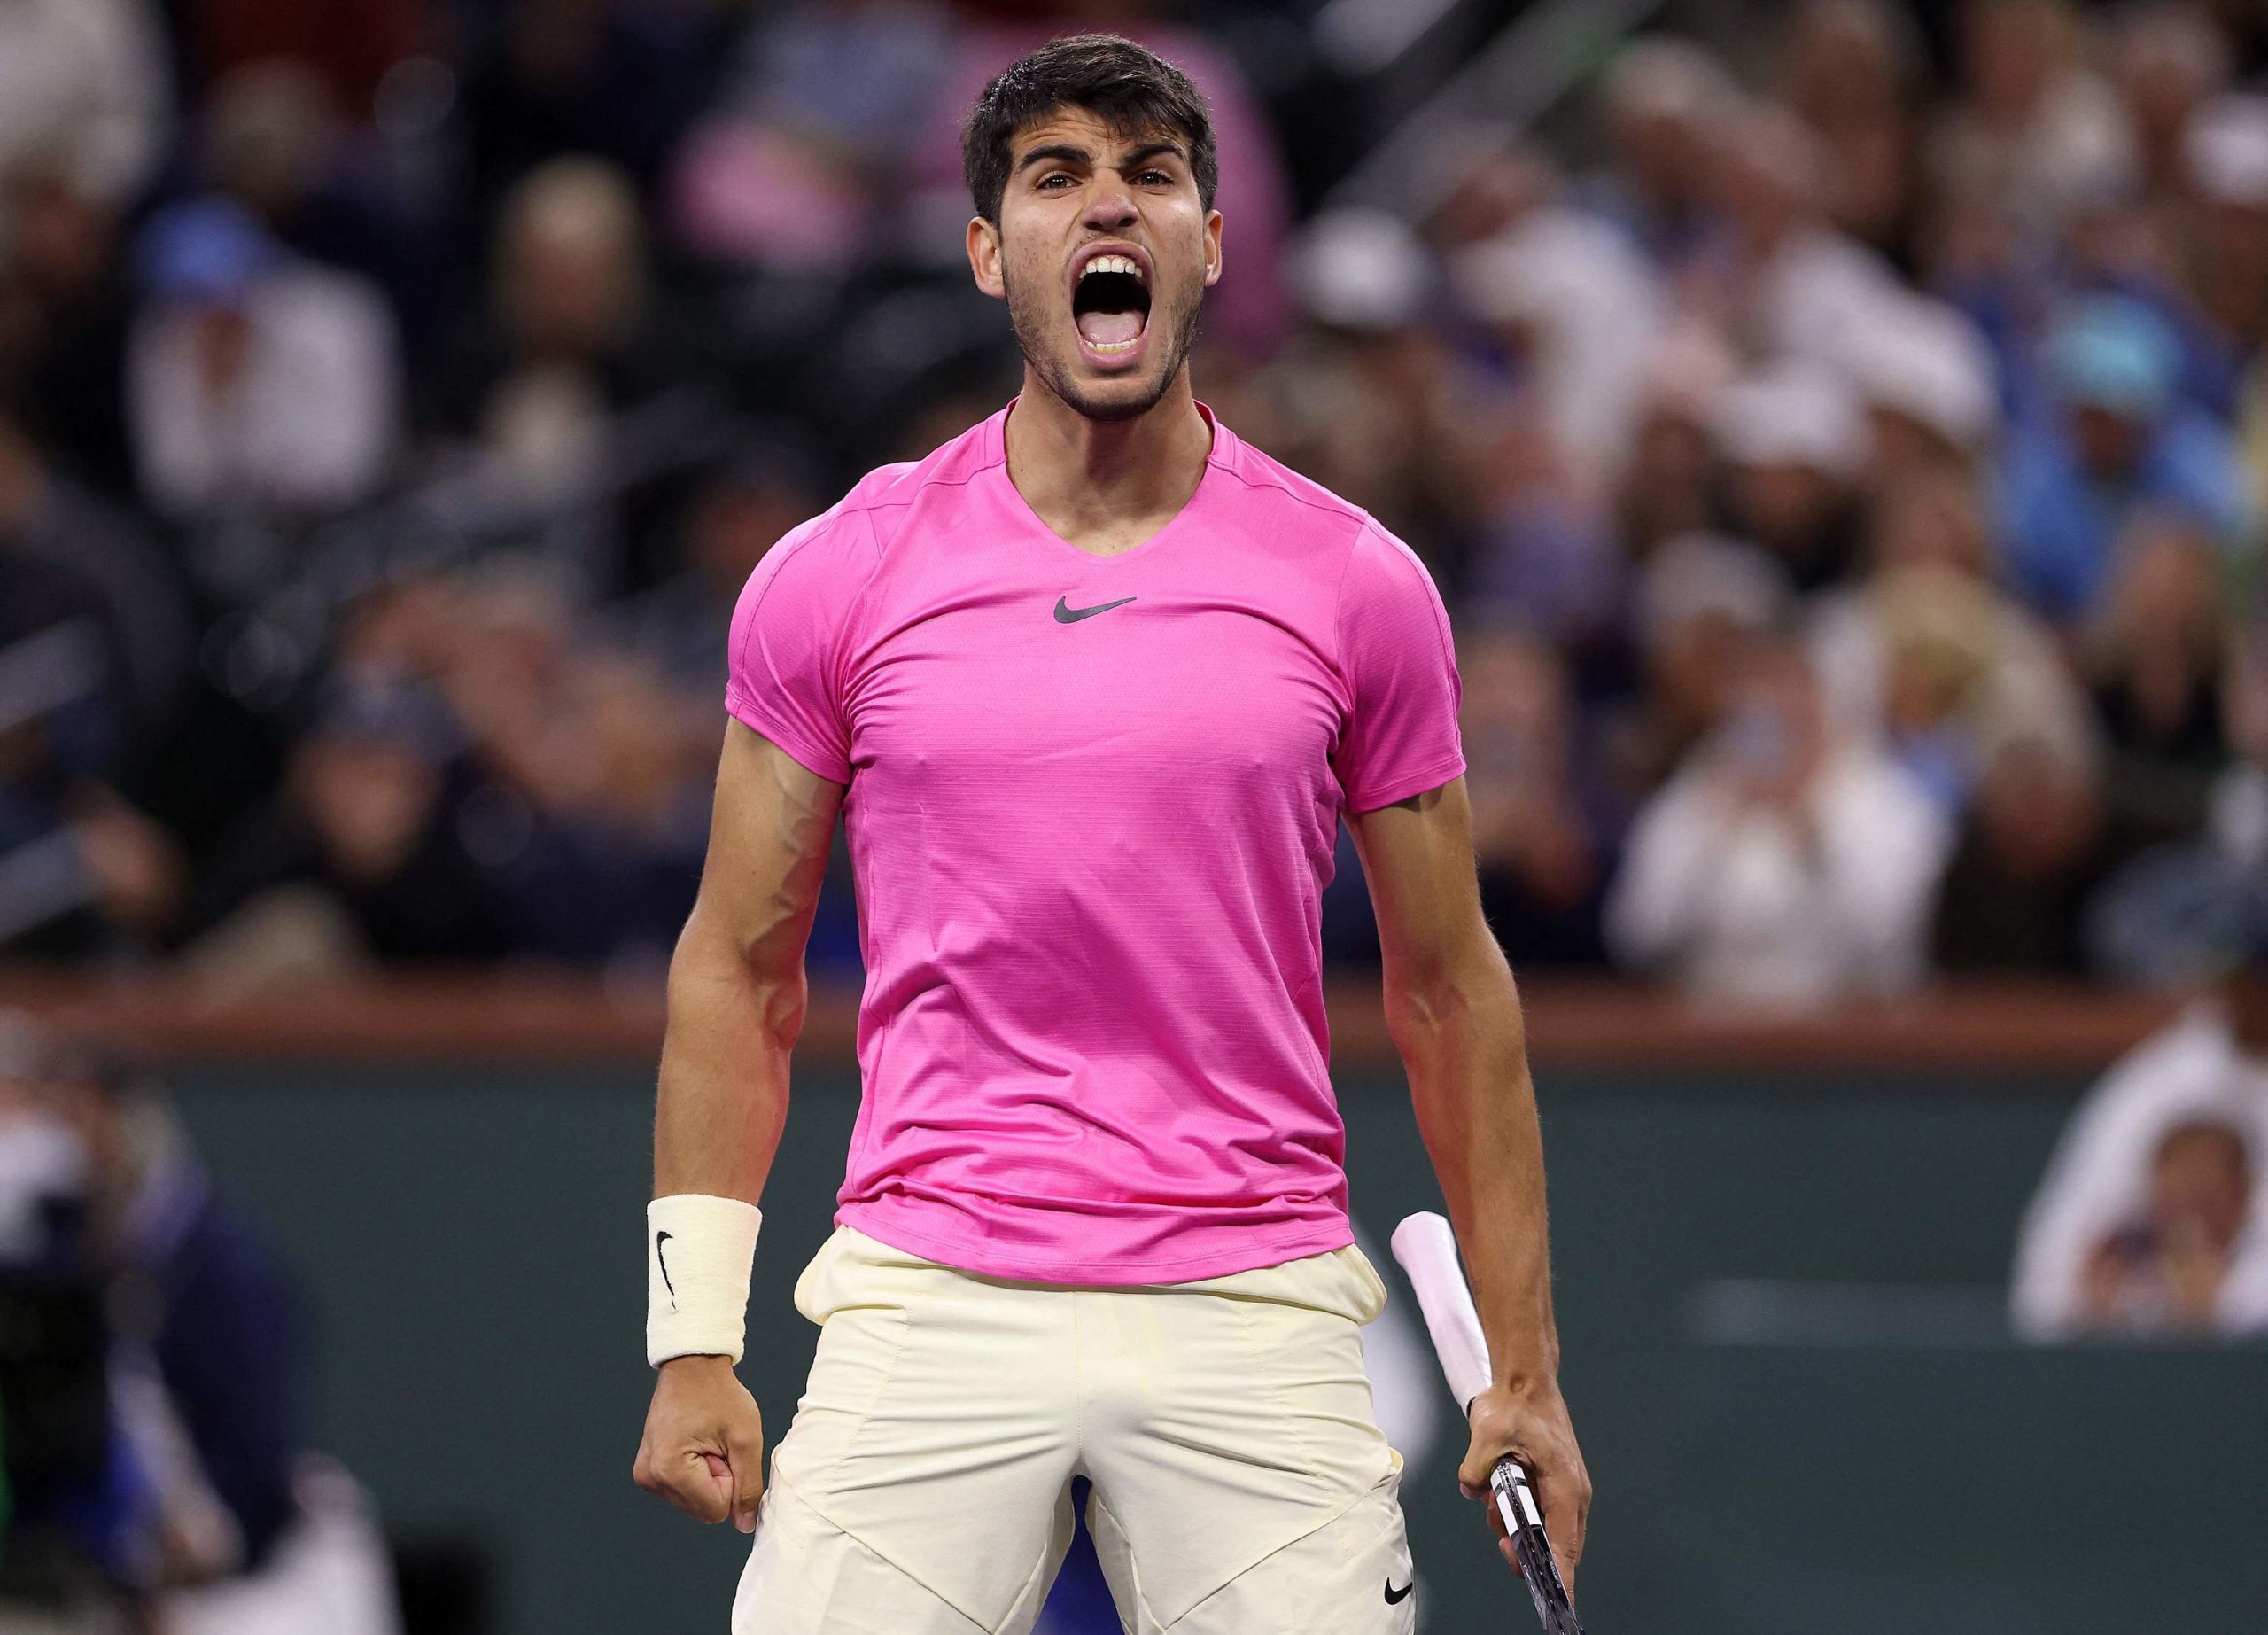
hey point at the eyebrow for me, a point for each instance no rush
(1071, 153)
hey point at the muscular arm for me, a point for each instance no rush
(736, 998)
(736, 990)
(1455, 1018)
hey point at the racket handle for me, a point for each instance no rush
(1427, 1250)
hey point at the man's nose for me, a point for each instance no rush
(1110, 205)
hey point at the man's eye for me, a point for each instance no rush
(1050, 181)
(1157, 177)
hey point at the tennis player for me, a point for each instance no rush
(1092, 686)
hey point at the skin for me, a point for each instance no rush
(1105, 453)
(1455, 1018)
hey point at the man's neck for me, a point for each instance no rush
(1107, 486)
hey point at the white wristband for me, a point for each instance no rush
(698, 1252)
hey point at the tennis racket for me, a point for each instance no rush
(1427, 1250)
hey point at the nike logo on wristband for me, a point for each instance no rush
(660, 1238)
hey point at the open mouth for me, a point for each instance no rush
(1110, 305)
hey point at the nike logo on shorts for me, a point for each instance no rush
(1066, 614)
(1394, 1597)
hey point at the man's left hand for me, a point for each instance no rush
(1530, 1424)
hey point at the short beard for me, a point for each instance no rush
(1028, 319)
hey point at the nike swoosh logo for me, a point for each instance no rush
(1394, 1597)
(1066, 614)
(660, 1238)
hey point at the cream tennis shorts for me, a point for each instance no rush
(1241, 1485)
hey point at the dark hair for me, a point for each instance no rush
(1130, 88)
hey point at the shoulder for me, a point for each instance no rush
(881, 500)
(2191, 1052)
(1368, 559)
(1384, 587)
(1268, 483)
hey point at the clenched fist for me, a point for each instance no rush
(704, 1447)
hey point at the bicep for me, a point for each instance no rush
(1417, 857)
(769, 834)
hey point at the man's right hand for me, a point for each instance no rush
(704, 1447)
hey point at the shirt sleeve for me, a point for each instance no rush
(1401, 734)
(787, 676)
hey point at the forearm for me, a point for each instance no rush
(723, 1099)
(1464, 1044)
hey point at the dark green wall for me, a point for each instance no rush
(472, 1237)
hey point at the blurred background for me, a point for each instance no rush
(1839, 430)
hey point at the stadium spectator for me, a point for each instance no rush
(82, 85)
(65, 313)
(261, 387)
(1699, 605)
(1544, 555)
(360, 856)
(2156, 660)
(2168, 1270)
(534, 385)
(1669, 486)
(1849, 69)
(2153, 1212)
(1927, 654)
(812, 137)
(1575, 309)
(1794, 445)
(2114, 441)
(2032, 127)
(1666, 102)
(1927, 378)
(274, 140)
(2032, 851)
(2171, 60)
(1537, 821)
(1790, 865)
(1785, 283)
(2227, 271)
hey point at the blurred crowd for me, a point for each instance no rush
(1843, 449)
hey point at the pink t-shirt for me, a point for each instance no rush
(1091, 808)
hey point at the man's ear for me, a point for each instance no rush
(984, 257)
(1212, 248)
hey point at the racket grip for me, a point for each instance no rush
(1427, 1250)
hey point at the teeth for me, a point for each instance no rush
(1108, 348)
(1125, 264)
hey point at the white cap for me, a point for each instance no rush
(1553, 268)
(1707, 573)
(1792, 414)
(1362, 269)
(2227, 151)
(1925, 360)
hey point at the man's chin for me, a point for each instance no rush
(1114, 400)
(1100, 396)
